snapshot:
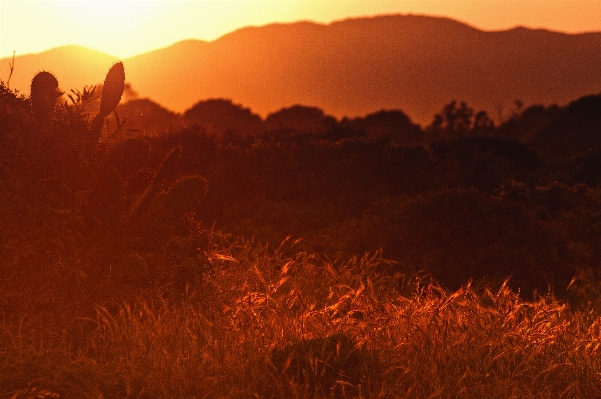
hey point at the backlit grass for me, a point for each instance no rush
(275, 323)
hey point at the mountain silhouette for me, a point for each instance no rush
(357, 66)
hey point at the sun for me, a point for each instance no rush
(109, 26)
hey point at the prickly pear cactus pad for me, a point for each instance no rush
(44, 93)
(114, 84)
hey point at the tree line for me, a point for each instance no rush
(460, 199)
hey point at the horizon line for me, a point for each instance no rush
(329, 23)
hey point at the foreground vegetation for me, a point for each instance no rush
(456, 266)
(275, 323)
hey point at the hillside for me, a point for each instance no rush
(356, 66)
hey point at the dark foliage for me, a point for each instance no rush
(392, 125)
(575, 132)
(587, 169)
(219, 116)
(462, 234)
(525, 125)
(475, 203)
(486, 162)
(459, 120)
(300, 119)
(148, 118)
(68, 239)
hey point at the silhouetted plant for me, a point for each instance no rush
(112, 90)
(391, 124)
(129, 156)
(44, 93)
(146, 117)
(100, 197)
(217, 116)
(301, 119)
(82, 99)
(456, 121)
(527, 124)
(573, 134)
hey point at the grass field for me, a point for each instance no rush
(275, 323)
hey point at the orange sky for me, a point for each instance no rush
(127, 28)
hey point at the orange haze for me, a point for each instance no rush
(128, 28)
(349, 68)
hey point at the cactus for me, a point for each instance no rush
(159, 204)
(104, 190)
(114, 84)
(44, 93)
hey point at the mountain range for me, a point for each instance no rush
(348, 68)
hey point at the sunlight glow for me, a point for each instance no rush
(132, 27)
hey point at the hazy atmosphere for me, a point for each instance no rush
(128, 28)
(300, 199)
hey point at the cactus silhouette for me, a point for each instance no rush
(112, 169)
(44, 93)
(114, 84)
(117, 205)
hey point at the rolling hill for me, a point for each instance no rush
(351, 67)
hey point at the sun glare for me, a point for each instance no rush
(126, 28)
(111, 26)
(99, 14)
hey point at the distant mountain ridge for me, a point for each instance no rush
(356, 66)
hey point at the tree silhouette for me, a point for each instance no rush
(301, 119)
(525, 125)
(148, 117)
(574, 133)
(218, 116)
(392, 124)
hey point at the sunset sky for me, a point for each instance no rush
(128, 28)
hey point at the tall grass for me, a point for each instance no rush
(276, 323)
